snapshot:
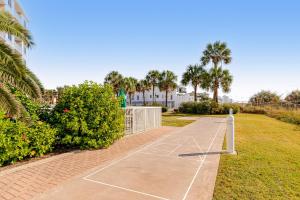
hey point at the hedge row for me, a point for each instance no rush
(18, 141)
(87, 116)
(207, 107)
(280, 114)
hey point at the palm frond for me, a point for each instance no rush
(8, 103)
(11, 60)
(9, 24)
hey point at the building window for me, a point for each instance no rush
(171, 97)
(137, 97)
(156, 96)
(9, 3)
(9, 37)
(150, 96)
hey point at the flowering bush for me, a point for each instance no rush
(18, 141)
(88, 116)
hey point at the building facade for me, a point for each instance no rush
(175, 97)
(15, 9)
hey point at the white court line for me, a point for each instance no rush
(178, 146)
(146, 194)
(133, 153)
(174, 157)
(201, 164)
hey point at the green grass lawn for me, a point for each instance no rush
(268, 162)
(173, 119)
(169, 120)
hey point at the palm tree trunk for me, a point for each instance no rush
(195, 93)
(144, 98)
(129, 98)
(216, 93)
(166, 98)
(152, 94)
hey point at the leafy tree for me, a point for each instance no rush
(218, 53)
(13, 70)
(196, 76)
(264, 97)
(293, 97)
(115, 79)
(130, 87)
(167, 82)
(219, 78)
(143, 86)
(153, 78)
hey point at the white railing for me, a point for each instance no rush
(141, 119)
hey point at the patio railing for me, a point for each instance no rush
(141, 119)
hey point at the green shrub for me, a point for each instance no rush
(164, 109)
(253, 110)
(88, 116)
(207, 107)
(41, 138)
(18, 141)
(281, 114)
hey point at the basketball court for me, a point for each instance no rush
(181, 165)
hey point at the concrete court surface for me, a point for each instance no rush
(180, 165)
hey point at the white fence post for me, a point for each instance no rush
(230, 134)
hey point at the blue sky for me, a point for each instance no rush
(84, 40)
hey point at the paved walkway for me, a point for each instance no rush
(30, 180)
(166, 163)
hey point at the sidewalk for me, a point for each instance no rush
(180, 165)
(30, 180)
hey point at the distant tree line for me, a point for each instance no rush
(268, 97)
(196, 75)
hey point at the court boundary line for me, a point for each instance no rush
(140, 150)
(201, 164)
(172, 157)
(126, 189)
(134, 152)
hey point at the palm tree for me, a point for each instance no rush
(217, 53)
(115, 79)
(167, 82)
(130, 87)
(13, 71)
(219, 77)
(196, 76)
(143, 86)
(153, 78)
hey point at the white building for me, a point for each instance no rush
(225, 99)
(175, 97)
(15, 9)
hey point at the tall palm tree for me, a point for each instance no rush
(13, 71)
(153, 77)
(195, 75)
(219, 78)
(130, 87)
(115, 79)
(143, 86)
(167, 83)
(217, 53)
